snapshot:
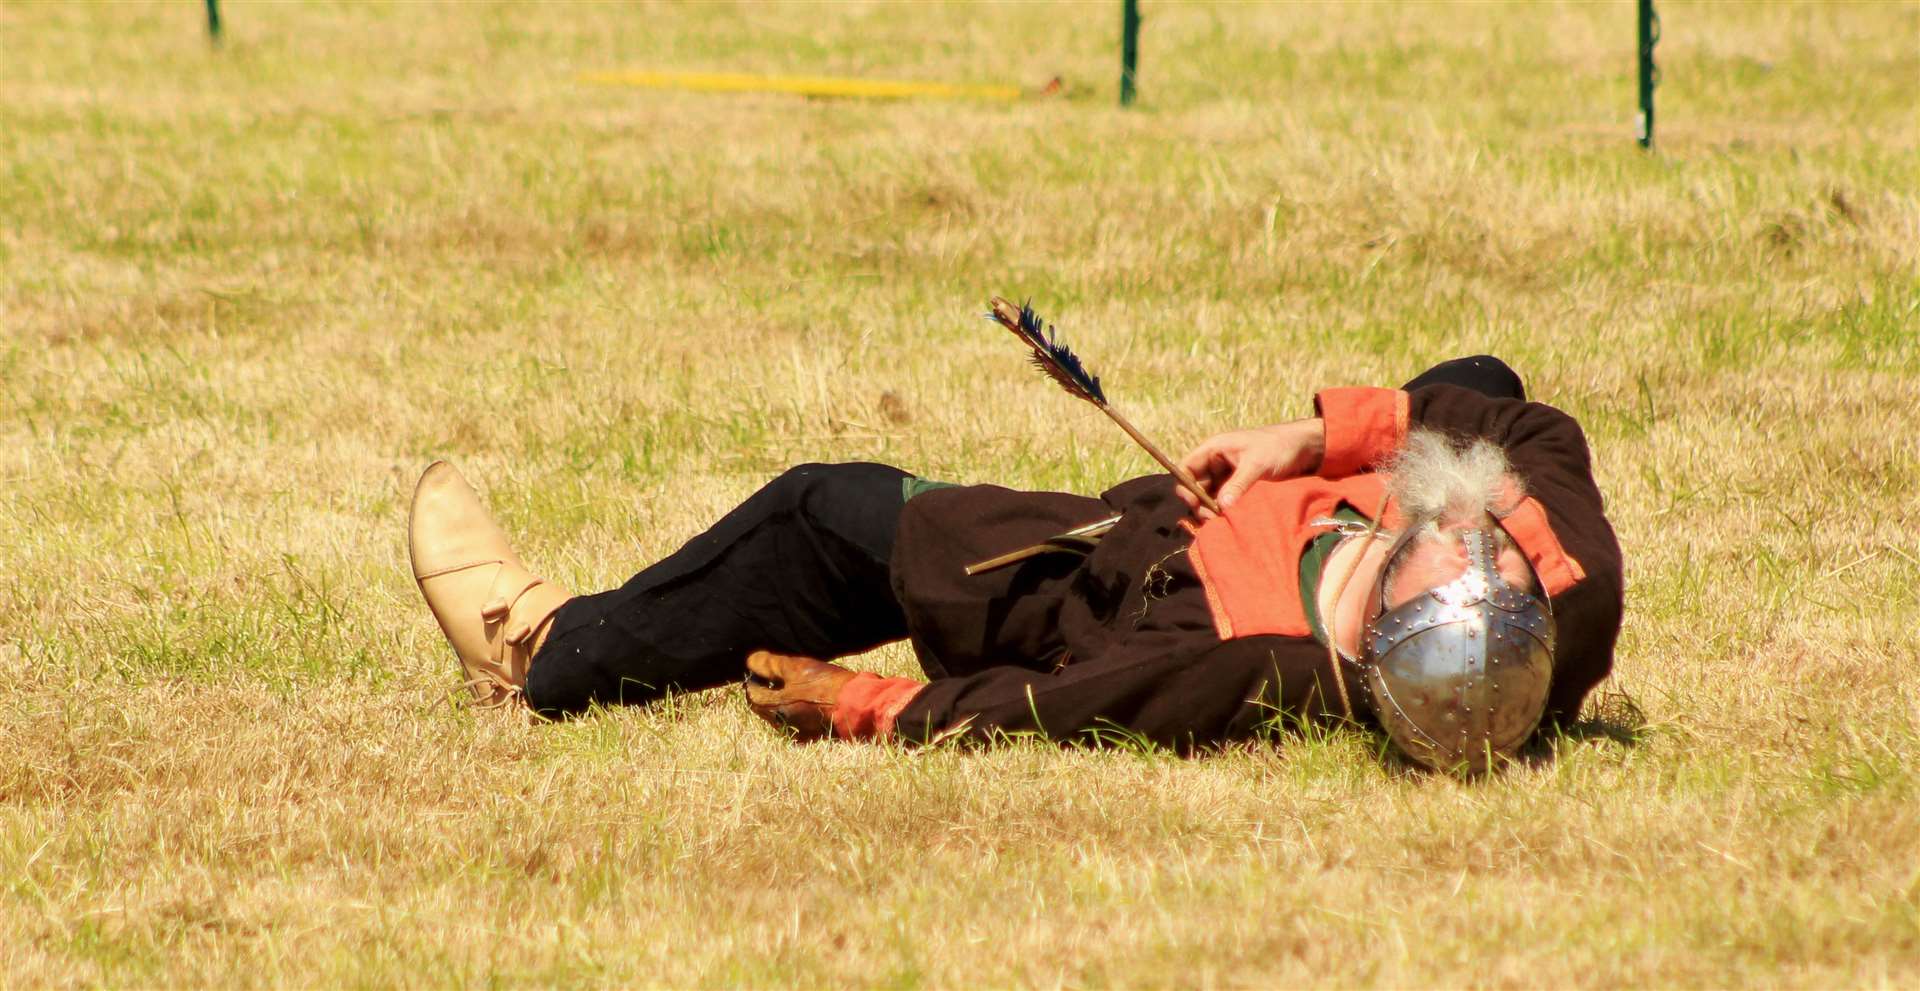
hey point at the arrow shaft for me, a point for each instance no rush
(1186, 477)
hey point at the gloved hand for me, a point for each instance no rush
(796, 694)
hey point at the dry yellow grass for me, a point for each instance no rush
(246, 295)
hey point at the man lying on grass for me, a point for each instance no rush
(1432, 559)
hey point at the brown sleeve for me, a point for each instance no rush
(1549, 451)
(1226, 692)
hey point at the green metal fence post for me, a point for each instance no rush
(213, 21)
(1129, 48)
(1649, 73)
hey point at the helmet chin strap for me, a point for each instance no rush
(1332, 624)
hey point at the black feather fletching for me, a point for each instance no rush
(1049, 355)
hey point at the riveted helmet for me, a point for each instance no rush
(1459, 674)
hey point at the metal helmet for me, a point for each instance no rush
(1460, 673)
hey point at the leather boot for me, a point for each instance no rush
(493, 611)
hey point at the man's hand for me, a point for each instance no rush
(1226, 464)
(796, 694)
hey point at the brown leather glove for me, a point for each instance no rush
(796, 694)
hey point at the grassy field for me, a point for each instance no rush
(246, 295)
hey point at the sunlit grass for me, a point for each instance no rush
(246, 295)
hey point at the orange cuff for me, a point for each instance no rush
(1527, 525)
(1364, 426)
(869, 705)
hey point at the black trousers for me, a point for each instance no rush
(801, 567)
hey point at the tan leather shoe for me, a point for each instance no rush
(490, 607)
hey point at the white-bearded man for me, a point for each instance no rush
(1434, 559)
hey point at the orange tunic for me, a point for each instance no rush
(1249, 558)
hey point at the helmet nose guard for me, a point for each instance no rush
(1460, 673)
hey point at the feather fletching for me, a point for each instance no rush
(1049, 355)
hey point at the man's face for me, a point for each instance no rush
(1429, 564)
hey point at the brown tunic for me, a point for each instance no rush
(1122, 642)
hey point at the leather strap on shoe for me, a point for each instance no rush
(530, 610)
(517, 608)
(541, 597)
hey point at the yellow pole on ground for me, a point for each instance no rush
(740, 82)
